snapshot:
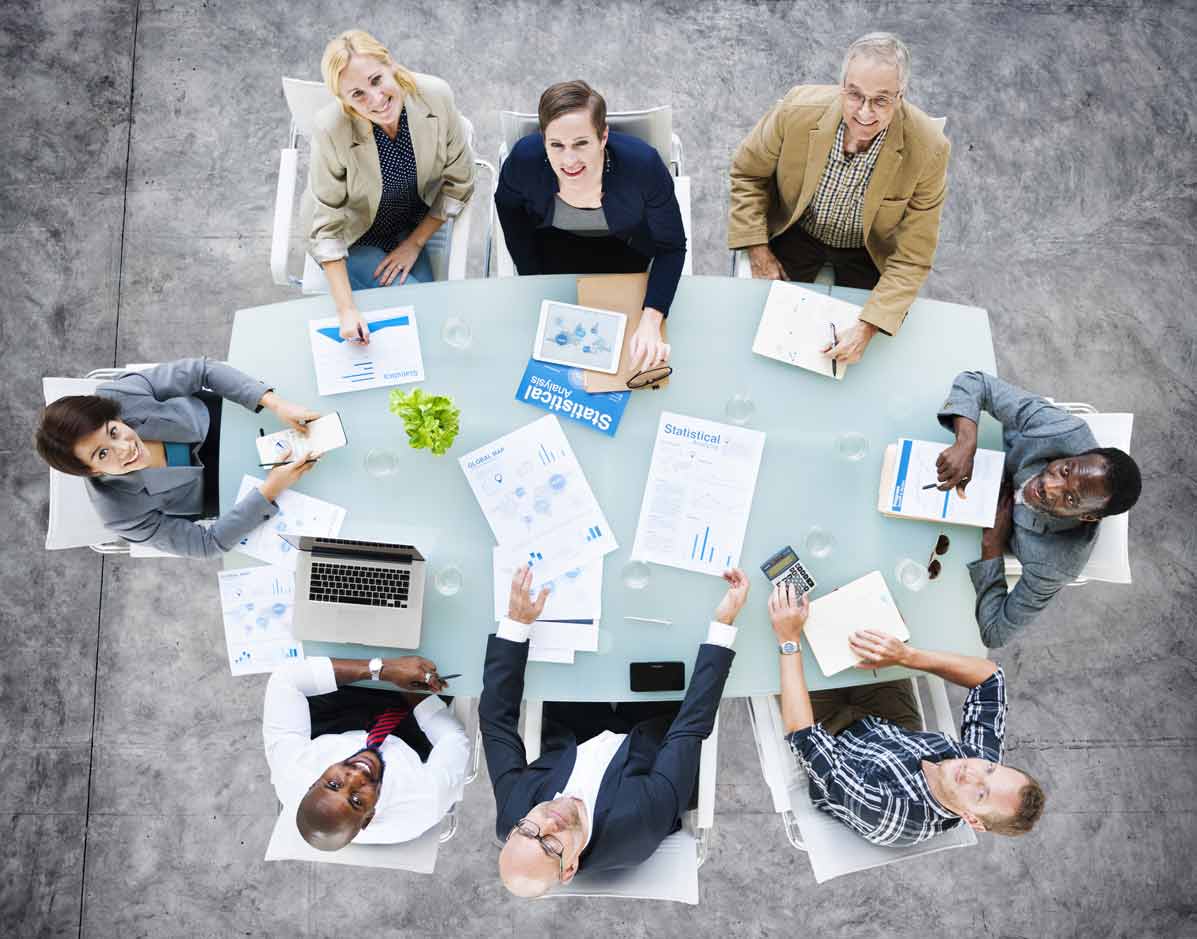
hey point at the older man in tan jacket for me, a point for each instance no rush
(854, 175)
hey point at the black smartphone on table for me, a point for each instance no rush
(657, 676)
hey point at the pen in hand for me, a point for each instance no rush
(834, 339)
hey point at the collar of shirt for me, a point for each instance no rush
(869, 155)
(593, 758)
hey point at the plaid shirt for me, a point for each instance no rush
(870, 777)
(834, 214)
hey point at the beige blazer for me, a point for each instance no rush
(345, 179)
(777, 168)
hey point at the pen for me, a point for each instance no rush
(447, 677)
(287, 463)
(649, 619)
(834, 340)
(931, 486)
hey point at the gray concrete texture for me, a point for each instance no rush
(138, 169)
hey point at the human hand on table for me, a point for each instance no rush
(521, 607)
(293, 415)
(851, 344)
(733, 599)
(399, 262)
(286, 475)
(994, 540)
(787, 613)
(647, 348)
(412, 673)
(877, 649)
(354, 327)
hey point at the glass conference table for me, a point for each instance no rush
(803, 481)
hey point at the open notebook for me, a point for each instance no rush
(324, 434)
(909, 468)
(798, 324)
(866, 603)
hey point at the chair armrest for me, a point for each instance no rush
(945, 721)
(766, 734)
(739, 264)
(681, 192)
(708, 764)
(284, 207)
(533, 723)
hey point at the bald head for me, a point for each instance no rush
(526, 871)
(341, 802)
(323, 821)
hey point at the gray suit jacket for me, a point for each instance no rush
(1052, 550)
(145, 506)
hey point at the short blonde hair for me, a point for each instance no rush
(358, 42)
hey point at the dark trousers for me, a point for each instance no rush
(354, 708)
(209, 454)
(586, 719)
(802, 255)
(563, 252)
(893, 701)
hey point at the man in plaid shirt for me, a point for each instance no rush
(894, 784)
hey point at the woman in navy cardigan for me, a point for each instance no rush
(578, 199)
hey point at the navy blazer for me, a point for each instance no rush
(638, 202)
(648, 783)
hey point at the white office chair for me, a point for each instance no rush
(418, 856)
(1110, 560)
(832, 847)
(671, 872)
(654, 126)
(447, 251)
(826, 276)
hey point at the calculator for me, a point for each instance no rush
(785, 568)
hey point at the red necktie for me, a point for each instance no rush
(384, 724)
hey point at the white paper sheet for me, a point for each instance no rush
(574, 594)
(536, 499)
(257, 604)
(578, 637)
(324, 434)
(916, 469)
(297, 515)
(541, 653)
(698, 494)
(796, 326)
(866, 603)
(391, 358)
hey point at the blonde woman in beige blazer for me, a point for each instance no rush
(390, 164)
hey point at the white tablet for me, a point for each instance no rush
(579, 336)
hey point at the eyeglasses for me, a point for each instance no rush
(933, 565)
(548, 843)
(650, 376)
(880, 103)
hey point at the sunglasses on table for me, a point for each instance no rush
(941, 548)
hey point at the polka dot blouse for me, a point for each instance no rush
(400, 209)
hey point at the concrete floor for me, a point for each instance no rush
(138, 171)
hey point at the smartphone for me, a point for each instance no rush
(657, 676)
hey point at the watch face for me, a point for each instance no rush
(789, 647)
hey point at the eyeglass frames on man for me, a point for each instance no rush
(859, 100)
(548, 843)
(941, 548)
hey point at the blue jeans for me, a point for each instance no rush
(363, 259)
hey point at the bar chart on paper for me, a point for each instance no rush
(391, 358)
(698, 494)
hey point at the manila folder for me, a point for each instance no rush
(623, 293)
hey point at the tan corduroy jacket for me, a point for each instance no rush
(777, 169)
(345, 179)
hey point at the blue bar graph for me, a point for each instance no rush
(593, 533)
(546, 456)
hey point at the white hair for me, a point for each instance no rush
(882, 47)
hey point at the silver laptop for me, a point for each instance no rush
(368, 592)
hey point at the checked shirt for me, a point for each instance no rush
(870, 778)
(834, 214)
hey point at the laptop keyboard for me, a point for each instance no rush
(365, 586)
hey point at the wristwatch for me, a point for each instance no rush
(375, 667)
(789, 647)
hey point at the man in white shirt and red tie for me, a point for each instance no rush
(361, 764)
(610, 786)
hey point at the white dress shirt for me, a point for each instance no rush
(595, 755)
(413, 796)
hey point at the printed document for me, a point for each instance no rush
(909, 467)
(297, 515)
(257, 604)
(536, 499)
(573, 594)
(698, 494)
(391, 358)
(798, 324)
(866, 603)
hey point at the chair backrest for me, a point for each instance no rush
(1110, 560)
(654, 126)
(74, 522)
(287, 844)
(305, 99)
(670, 873)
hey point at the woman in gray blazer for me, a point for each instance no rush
(148, 444)
(391, 162)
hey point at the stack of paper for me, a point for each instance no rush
(257, 604)
(543, 513)
(569, 622)
(909, 485)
